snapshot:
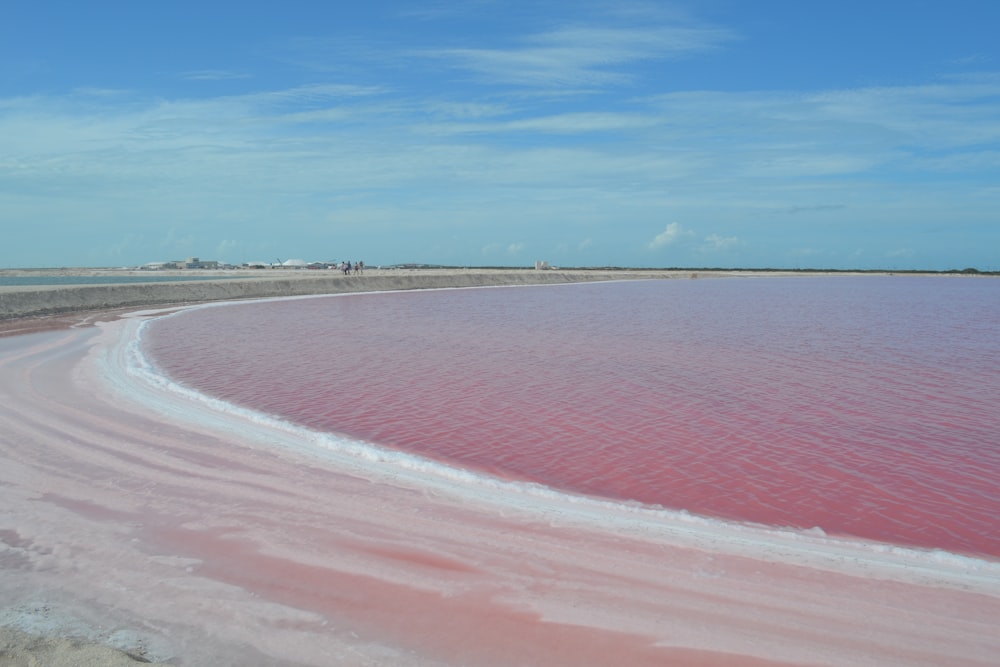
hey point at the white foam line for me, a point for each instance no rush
(125, 368)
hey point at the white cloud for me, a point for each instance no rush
(714, 242)
(671, 234)
(515, 248)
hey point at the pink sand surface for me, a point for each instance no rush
(221, 539)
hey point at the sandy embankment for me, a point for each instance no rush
(55, 300)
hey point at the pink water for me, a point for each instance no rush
(865, 406)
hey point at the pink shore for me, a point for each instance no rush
(153, 522)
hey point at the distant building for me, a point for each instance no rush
(189, 263)
(195, 263)
(541, 266)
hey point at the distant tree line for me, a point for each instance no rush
(968, 271)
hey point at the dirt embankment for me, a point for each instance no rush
(56, 299)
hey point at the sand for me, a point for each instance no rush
(145, 523)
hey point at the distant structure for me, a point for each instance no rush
(541, 266)
(189, 263)
(195, 263)
(211, 264)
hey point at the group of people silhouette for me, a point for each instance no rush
(348, 268)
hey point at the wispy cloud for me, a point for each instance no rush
(783, 146)
(580, 55)
(360, 152)
(312, 95)
(556, 124)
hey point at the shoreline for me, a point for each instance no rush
(186, 287)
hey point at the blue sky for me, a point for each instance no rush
(731, 133)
